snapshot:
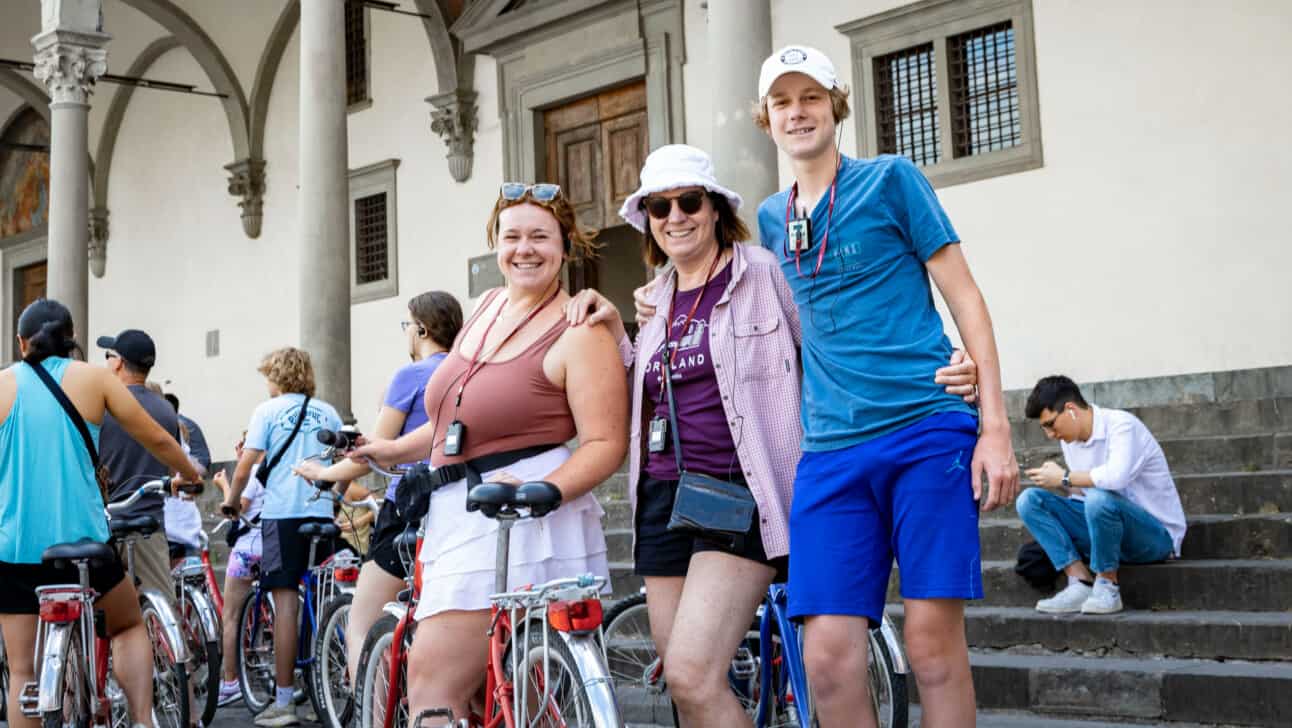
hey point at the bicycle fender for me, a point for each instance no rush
(170, 623)
(894, 643)
(395, 609)
(589, 658)
(49, 675)
(206, 612)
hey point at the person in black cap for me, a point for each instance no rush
(130, 357)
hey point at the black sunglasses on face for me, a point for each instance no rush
(688, 202)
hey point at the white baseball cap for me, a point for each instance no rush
(797, 59)
(668, 168)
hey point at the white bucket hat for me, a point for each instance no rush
(797, 59)
(668, 168)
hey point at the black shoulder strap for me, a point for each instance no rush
(69, 408)
(672, 413)
(300, 418)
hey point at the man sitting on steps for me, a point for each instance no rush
(1116, 503)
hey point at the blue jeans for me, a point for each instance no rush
(1106, 527)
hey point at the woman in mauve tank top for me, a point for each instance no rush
(518, 377)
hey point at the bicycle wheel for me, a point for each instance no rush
(170, 677)
(207, 654)
(76, 711)
(4, 682)
(256, 651)
(331, 688)
(553, 687)
(376, 675)
(630, 650)
(887, 687)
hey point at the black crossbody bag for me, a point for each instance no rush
(265, 468)
(101, 475)
(705, 506)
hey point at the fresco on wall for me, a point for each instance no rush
(24, 175)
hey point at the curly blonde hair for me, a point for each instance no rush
(579, 242)
(290, 369)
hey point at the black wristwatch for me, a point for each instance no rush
(1067, 479)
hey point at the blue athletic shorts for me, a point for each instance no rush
(907, 494)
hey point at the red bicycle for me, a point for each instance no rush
(546, 666)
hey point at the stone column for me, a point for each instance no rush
(739, 39)
(70, 56)
(325, 201)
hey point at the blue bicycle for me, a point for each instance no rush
(767, 672)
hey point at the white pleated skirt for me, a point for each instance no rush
(459, 550)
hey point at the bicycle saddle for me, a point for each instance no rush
(322, 530)
(83, 550)
(142, 525)
(540, 497)
(490, 498)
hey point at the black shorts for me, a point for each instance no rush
(661, 552)
(381, 550)
(285, 553)
(20, 581)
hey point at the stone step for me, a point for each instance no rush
(619, 544)
(1020, 719)
(1133, 633)
(1229, 584)
(623, 582)
(1110, 688)
(1204, 419)
(1259, 536)
(1216, 454)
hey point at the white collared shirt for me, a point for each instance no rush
(1123, 456)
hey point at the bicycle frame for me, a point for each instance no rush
(775, 611)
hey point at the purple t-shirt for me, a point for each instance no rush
(406, 391)
(702, 424)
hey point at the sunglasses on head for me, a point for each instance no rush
(688, 202)
(545, 192)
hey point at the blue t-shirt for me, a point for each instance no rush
(406, 391)
(287, 495)
(872, 338)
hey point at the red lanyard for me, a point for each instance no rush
(472, 368)
(668, 323)
(825, 239)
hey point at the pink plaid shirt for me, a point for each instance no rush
(753, 339)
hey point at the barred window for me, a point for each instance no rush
(950, 86)
(907, 112)
(374, 239)
(370, 239)
(984, 90)
(356, 53)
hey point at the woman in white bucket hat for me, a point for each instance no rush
(726, 330)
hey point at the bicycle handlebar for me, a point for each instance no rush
(152, 487)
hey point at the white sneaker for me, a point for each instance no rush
(277, 716)
(1067, 601)
(229, 693)
(1105, 598)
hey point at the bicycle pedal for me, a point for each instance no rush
(436, 713)
(29, 700)
(743, 665)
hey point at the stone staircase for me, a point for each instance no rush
(1205, 640)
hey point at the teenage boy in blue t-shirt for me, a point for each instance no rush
(892, 465)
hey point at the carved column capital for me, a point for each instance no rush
(98, 240)
(69, 62)
(454, 119)
(247, 181)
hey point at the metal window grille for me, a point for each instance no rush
(984, 90)
(356, 54)
(906, 108)
(370, 260)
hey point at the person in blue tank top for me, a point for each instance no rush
(892, 465)
(434, 319)
(49, 495)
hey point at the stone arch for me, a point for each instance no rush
(29, 92)
(187, 31)
(117, 113)
(267, 70)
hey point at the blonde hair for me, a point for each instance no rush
(579, 243)
(838, 103)
(290, 369)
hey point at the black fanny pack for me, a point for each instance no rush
(704, 505)
(413, 495)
